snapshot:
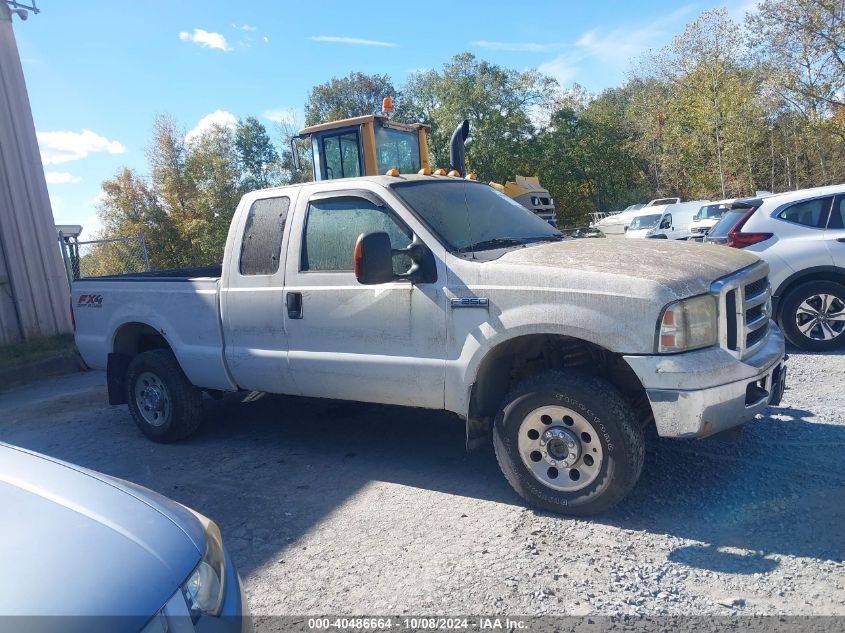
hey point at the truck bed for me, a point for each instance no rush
(213, 271)
(182, 305)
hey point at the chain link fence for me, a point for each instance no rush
(96, 258)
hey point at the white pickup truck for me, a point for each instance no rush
(439, 292)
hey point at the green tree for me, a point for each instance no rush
(584, 157)
(699, 110)
(497, 101)
(259, 160)
(342, 98)
(801, 44)
(127, 207)
(213, 167)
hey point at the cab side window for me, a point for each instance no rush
(667, 221)
(262, 239)
(812, 213)
(333, 226)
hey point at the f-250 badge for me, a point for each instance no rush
(469, 302)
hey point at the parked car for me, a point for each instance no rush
(707, 217)
(671, 223)
(801, 234)
(83, 551)
(616, 224)
(441, 293)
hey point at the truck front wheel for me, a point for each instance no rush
(163, 403)
(568, 443)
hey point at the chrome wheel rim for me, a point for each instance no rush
(560, 448)
(821, 317)
(152, 399)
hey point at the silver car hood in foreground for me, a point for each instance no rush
(684, 268)
(74, 542)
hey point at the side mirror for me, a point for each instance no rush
(373, 259)
(665, 224)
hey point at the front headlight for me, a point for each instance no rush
(204, 590)
(687, 324)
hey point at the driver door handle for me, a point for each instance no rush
(293, 302)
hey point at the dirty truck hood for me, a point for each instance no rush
(684, 268)
(74, 543)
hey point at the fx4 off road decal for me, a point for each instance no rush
(90, 301)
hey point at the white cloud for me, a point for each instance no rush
(91, 227)
(218, 117)
(518, 47)
(356, 41)
(280, 115)
(60, 177)
(620, 45)
(243, 27)
(615, 48)
(266, 39)
(99, 199)
(563, 68)
(206, 39)
(61, 147)
(738, 10)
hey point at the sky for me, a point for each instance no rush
(99, 72)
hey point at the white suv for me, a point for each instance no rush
(801, 234)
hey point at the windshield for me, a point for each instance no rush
(711, 211)
(645, 221)
(470, 216)
(726, 223)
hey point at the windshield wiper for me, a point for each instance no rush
(496, 242)
(493, 243)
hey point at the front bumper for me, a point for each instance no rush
(696, 394)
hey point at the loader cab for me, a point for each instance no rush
(366, 146)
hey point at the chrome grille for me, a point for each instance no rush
(744, 309)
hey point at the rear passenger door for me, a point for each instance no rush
(252, 298)
(834, 235)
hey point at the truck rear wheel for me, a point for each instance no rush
(163, 403)
(568, 443)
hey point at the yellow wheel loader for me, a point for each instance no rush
(376, 144)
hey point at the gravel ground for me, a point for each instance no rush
(339, 508)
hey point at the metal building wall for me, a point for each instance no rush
(34, 295)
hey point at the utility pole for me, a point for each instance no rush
(34, 295)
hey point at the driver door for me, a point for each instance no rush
(383, 343)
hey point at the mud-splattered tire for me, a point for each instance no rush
(568, 442)
(162, 401)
